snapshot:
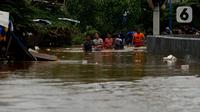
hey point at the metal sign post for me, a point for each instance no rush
(170, 15)
(156, 21)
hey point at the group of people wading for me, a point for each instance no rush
(110, 41)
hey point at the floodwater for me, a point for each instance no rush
(101, 82)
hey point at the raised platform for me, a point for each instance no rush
(176, 45)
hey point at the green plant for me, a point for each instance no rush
(77, 39)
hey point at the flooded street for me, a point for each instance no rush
(100, 82)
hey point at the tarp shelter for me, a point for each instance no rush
(4, 18)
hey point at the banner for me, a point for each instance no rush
(4, 18)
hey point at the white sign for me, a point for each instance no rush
(184, 14)
(4, 18)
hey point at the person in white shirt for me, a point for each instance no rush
(98, 42)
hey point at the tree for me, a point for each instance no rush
(83, 10)
(105, 15)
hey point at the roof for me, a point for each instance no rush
(71, 20)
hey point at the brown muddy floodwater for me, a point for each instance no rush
(100, 82)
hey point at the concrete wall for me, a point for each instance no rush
(180, 46)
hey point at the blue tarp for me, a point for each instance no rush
(1, 29)
(131, 32)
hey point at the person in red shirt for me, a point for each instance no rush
(108, 43)
(138, 39)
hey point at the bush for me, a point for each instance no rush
(77, 39)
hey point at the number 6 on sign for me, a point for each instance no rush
(184, 14)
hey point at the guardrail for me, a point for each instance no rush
(177, 35)
(174, 44)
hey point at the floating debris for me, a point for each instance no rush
(185, 67)
(48, 49)
(37, 48)
(84, 62)
(171, 60)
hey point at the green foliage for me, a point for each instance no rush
(90, 31)
(24, 11)
(104, 15)
(77, 39)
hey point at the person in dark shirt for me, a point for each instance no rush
(88, 43)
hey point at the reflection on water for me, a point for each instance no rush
(100, 82)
